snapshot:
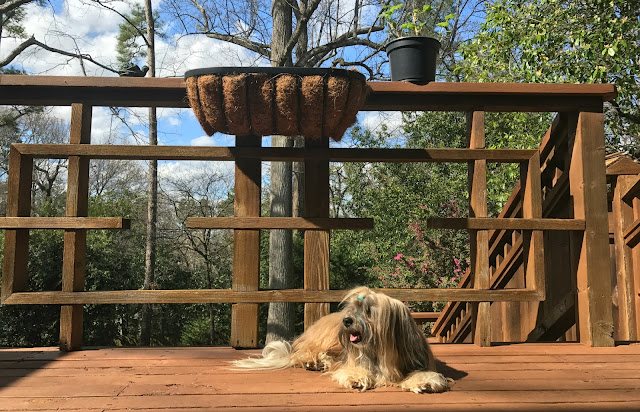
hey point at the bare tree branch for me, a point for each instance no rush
(344, 40)
(301, 25)
(33, 42)
(259, 48)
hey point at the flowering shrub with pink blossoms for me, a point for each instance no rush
(436, 259)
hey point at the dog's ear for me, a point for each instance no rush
(413, 352)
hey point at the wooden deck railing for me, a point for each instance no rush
(582, 103)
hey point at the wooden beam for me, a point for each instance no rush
(479, 239)
(16, 242)
(316, 242)
(259, 296)
(478, 223)
(291, 223)
(75, 240)
(429, 155)
(171, 92)
(135, 152)
(590, 249)
(67, 223)
(246, 246)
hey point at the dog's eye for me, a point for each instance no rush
(368, 311)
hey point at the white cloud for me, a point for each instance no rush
(173, 121)
(202, 141)
(374, 121)
(191, 170)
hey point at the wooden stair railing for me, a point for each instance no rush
(626, 211)
(506, 241)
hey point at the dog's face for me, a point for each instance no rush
(379, 330)
(359, 318)
(371, 319)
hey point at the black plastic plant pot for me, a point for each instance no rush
(413, 59)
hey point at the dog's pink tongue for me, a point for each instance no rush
(353, 338)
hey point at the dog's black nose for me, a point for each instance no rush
(347, 321)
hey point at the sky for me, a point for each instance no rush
(80, 25)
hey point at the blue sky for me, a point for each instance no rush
(80, 25)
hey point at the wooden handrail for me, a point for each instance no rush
(293, 223)
(435, 96)
(486, 223)
(143, 152)
(69, 223)
(260, 296)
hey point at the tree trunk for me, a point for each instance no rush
(152, 181)
(298, 182)
(298, 167)
(281, 317)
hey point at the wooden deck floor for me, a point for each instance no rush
(515, 377)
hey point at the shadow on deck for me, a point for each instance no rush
(558, 376)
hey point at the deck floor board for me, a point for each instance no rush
(568, 377)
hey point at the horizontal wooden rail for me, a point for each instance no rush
(435, 96)
(294, 223)
(480, 223)
(70, 223)
(135, 152)
(263, 296)
(422, 317)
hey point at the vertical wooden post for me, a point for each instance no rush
(532, 241)
(75, 241)
(16, 242)
(316, 242)
(588, 188)
(246, 246)
(635, 257)
(623, 218)
(479, 239)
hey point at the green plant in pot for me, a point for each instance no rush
(413, 52)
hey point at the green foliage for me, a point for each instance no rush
(11, 23)
(564, 42)
(132, 44)
(417, 18)
(399, 251)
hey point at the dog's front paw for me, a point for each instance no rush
(426, 382)
(353, 378)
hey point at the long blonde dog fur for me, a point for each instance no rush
(372, 342)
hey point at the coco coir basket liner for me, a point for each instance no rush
(264, 101)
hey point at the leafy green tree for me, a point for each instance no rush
(399, 197)
(564, 41)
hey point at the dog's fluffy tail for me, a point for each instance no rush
(276, 355)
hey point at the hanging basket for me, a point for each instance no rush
(263, 101)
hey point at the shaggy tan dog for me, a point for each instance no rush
(372, 342)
